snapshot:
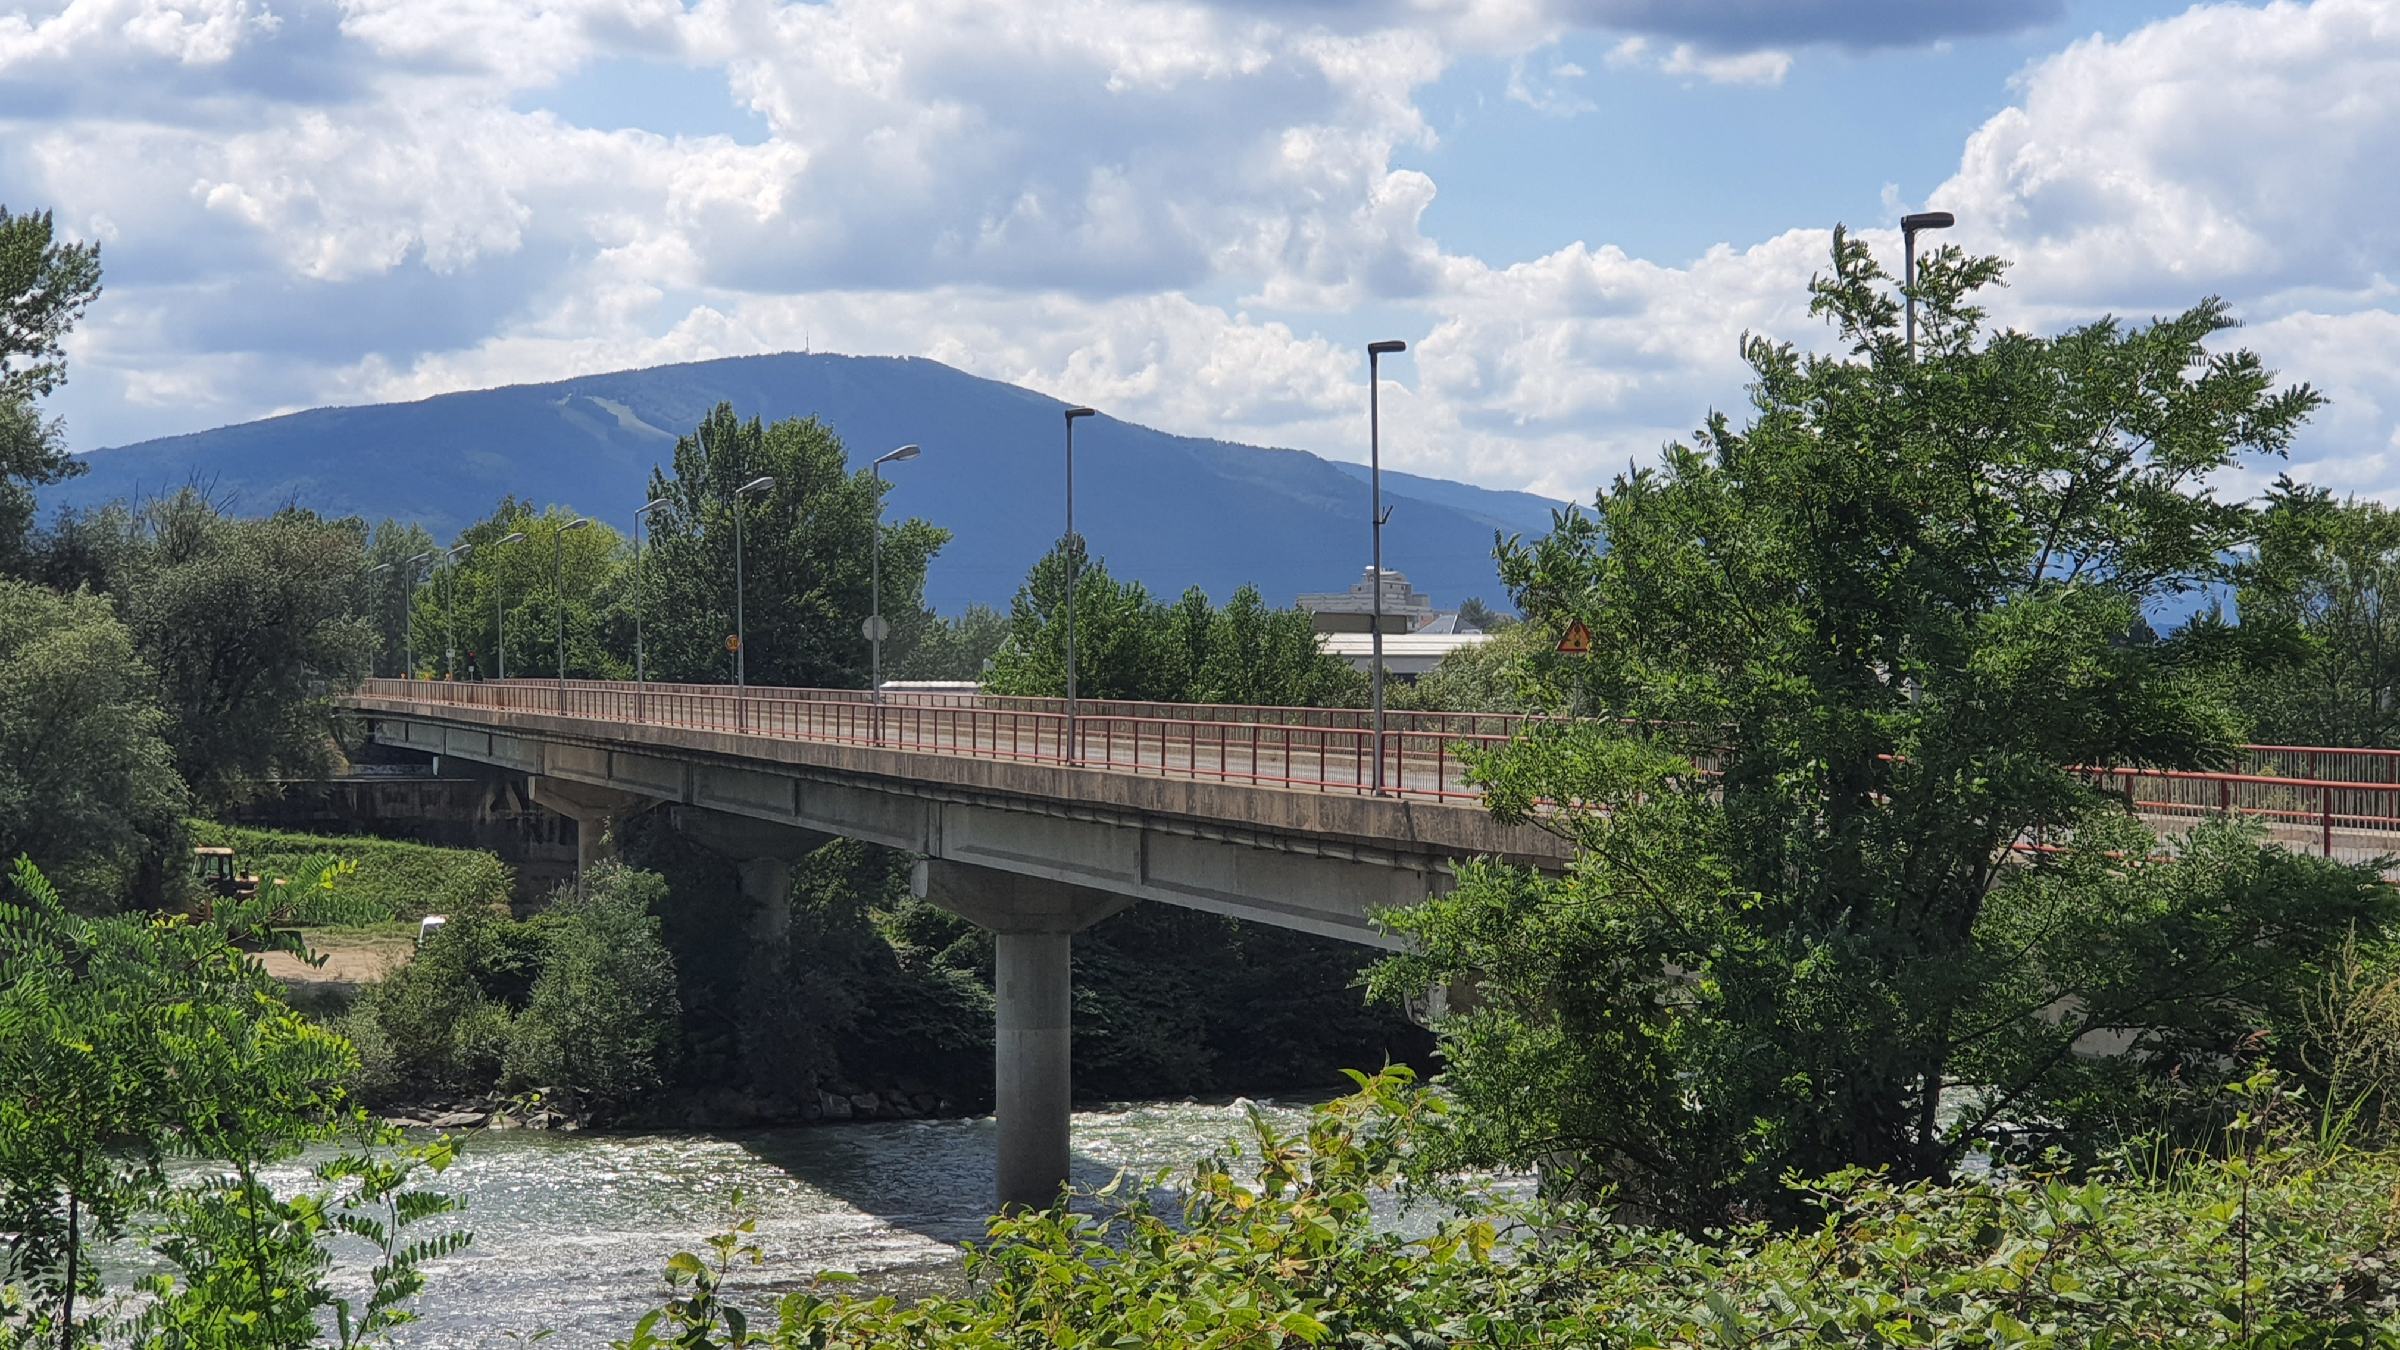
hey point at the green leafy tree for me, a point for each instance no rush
(1863, 642)
(44, 288)
(384, 595)
(1122, 639)
(807, 555)
(2327, 574)
(87, 781)
(249, 624)
(1473, 613)
(602, 1016)
(129, 1040)
(582, 570)
(956, 647)
(1257, 655)
(1505, 674)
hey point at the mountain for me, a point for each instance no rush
(1170, 511)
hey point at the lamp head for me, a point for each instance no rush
(420, 557)
(462, 548)
(512, 537)
(651, 505)
(905, 452)
(762, 483)
(576, 524)
(1386, 347)
(1073, 413)
(379, 568)
(1927, 220)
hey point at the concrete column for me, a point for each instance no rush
(762, 853)
(767, 885)
(1032, 1056)
(1033, 922)
(596, 811)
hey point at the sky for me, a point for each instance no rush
(1190, 213)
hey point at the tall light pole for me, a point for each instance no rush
(1909, 225)
(378, 570)
(450, 610)
(875, 623)
(558, 595)
(641, 668)
(1376, 351)
(1074, 574)
(500, 611)
(408, 619)
(741, 630)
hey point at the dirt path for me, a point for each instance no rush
(353, 958)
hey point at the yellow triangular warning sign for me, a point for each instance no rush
(1578, 641)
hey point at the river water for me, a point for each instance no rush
(571, 1230)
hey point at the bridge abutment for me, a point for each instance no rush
(1033, 924)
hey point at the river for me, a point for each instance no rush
(571, 1230)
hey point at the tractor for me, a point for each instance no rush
(218, 877)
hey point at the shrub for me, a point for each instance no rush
(407, 881)
(603, 1012)
(2267, 1247)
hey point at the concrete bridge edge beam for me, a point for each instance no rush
(1033, 924)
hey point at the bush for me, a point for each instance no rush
(602, 1018)
(2267, 1246)
(407, 881)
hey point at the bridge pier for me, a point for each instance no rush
(1033, 922)
(762, 853)
(596, 812)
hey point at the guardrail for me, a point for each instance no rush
(2339, 802)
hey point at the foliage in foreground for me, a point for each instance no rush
(2259, 1243)
(134, 1042)
(1861, 646)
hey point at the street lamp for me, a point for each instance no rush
(408, 619)
(1074, 574)
(450, 611)
(558, 591)
(1377, 515)
(1909, 225)
(875, 623)
(641, 669)
(378, 570)
(500, 612)
(741, 630)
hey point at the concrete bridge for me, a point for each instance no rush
(1034, 826)
(1022, 832)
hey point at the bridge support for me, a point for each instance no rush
(762, 852)
(596, 812)
(1033, 922)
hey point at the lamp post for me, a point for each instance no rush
(1909, 225)
(408, 620)
(378, 570)
(741, 630)
(1074, 574)
(450, 610)
(558, 592)
(1377, 515)
(641, 668)
(500, 611)
(875, 624)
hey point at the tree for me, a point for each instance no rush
(957, 648)
(87, 782)
(1122, 643)
(249, 625)
(583, 569)
(390, 576)
(2327, 575)
(602, 1016)
(1473, 613)
(1502, 675)
(1862, 644)
(807, 554)
(44, 288)
(1262, 656)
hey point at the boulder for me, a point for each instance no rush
(833, 1106)
(461, 1120)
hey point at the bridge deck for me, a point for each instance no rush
(2342, 803)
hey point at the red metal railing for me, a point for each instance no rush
(2339, 802)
